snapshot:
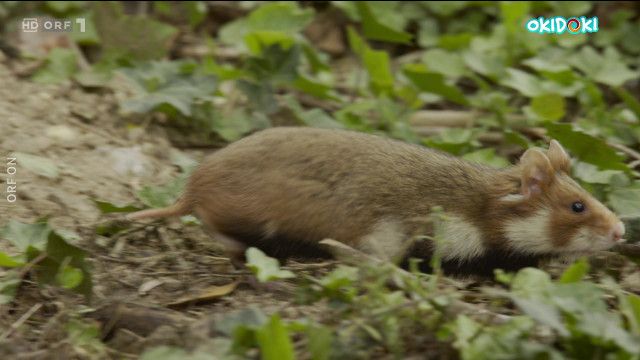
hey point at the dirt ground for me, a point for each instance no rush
(135, 275)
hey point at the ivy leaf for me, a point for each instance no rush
(274, 340)
(434, 83)
(60, 252)
(9, 284)
(131, 37)
(281, 17)
(161, 196)
(487, 156)
(8, 261)
(24, 236)
(625, 202)
(314, 117)
(59, 66)
(525, 83)
(169, 84)
(376, 30)
(575, 272)
(69, 277)
(447, 63)
(592, 175)
(550, 107)
(265, 268)
(585, 147)
(375, 61)
(38, 165)
(543, 313)
(608, 69)
(320, 342)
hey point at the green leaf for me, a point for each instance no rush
(62, 252)
(453, 140)
(543, 313)
(550, 107)
(632, 103)
(64, 7)
(250, 317)
(38, 165)
(373, 29)
(632, 311)
(265, 268)
(514, 14)
(592, 175)
(274, 341)
(131, 37)
(90, 35)
(24, 235)
(8, 261)
(69, 277)
(320, 342)
(487, 156)
(314, 117)
(283, 17)
(523, 82)
(161, 196)
(575, 272)
(171, 84)
(531, 282)
(625, 202)
(108, 208)
(375, 61)
(313, 87)
(234, 126)
(84, 336)
(9, 284)
(454, 42)
(447, 63)
(433, 83)
(608, 69)
(257, 41)
(60, 65)
(585, 147)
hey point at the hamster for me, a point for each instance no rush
(285, 189)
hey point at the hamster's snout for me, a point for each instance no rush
(617, 232)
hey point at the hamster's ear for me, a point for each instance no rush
(536, 174)
(558, 157)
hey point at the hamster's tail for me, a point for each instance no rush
(180, 208)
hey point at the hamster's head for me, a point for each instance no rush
(553, 213)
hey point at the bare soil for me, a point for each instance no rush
(136, 274)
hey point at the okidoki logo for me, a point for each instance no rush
(558, 25)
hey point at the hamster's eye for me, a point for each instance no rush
(577, 207)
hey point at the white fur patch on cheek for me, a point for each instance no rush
(530, 234)
(586, 242)
(460, 240)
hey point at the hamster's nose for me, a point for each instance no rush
(617, 232)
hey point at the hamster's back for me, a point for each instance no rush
(309, 184)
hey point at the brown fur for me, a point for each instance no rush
(287, 186)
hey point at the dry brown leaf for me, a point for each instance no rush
(208, 294)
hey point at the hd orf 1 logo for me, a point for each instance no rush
(560, 25)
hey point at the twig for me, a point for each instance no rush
(355, 257)
(195, 272)
(20, 321)
(442, 118)
(628, 151)
(628, 249)
(31, 264)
